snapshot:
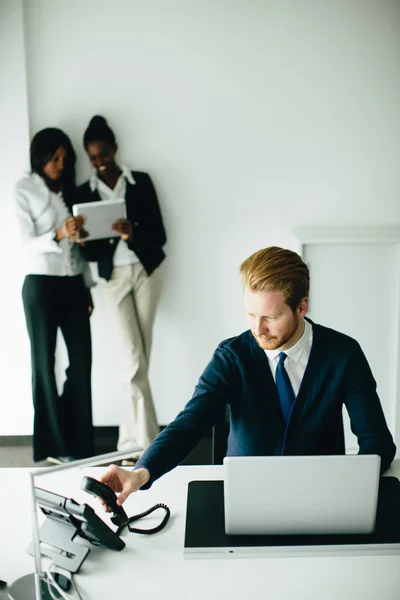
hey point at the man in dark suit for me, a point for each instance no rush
(285, 381)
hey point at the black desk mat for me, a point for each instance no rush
(205, 522)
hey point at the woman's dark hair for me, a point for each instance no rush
(43, 147)
(98, 131)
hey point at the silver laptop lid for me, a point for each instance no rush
(300, 494)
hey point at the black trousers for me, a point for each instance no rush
(62, 425)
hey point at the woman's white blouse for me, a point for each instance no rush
(40, 212)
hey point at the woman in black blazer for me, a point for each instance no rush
(129, 282)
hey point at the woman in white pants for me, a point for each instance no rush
(129, 281)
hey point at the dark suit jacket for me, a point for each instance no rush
(337, 374)
(143, 212)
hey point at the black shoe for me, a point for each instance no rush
(61, 460)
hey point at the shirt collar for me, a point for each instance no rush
(295, 352)
(36, 179)
(40, 182)
(93, 181)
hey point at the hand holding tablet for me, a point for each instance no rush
(123, 228)
(100, 218)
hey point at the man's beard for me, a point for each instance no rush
(274, 342)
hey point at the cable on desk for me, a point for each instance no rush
(52, 583)
(145, 514)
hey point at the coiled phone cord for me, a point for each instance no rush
(145, 514)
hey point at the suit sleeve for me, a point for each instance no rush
(176, 441)
(149, 232)
(365, 411)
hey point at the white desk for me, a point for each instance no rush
(154, 567)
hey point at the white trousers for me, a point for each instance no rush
(130, 299)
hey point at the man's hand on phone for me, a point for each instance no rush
(124, 482)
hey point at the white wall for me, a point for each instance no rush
(362, 281)
(252, 118)
(15, 395)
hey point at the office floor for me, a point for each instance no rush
(17, 451)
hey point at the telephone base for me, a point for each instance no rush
(56, 542)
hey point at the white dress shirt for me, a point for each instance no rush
(297, 358)
(123, 254)
(40, 212)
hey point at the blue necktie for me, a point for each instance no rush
(285, 390)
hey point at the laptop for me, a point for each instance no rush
(305, 495)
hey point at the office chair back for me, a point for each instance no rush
(220, 434)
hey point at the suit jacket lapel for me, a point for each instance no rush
(130, 199)
(309, 385)
(311, 380)
(94, 196)
(264, 379)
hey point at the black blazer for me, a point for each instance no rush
(239, 375)
(143, 211)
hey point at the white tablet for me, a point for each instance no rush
(99, 216)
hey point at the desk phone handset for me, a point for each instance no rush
(99, 489)
(120, 518)
(66, 520)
